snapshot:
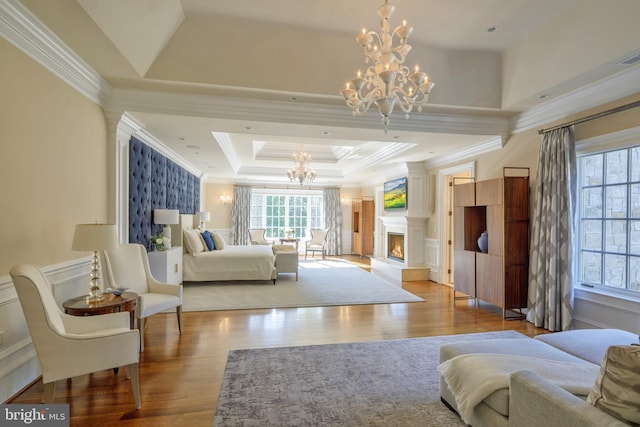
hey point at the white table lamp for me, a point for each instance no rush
(166, 217)
(204, 217)
(95, 237)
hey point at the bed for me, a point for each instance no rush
(226, 262)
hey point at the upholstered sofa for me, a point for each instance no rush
(528, 397)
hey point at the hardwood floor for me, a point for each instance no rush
(180, 375)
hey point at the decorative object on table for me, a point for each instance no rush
(204, 217)
(483, 242)
(387, 81)
(157, 240)
(301, 170)
(95, 237)
(291, 233)
(115, 291)
(166, 217)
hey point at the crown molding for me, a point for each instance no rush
(306, 113)
(26, 32)
(224, 141)
(471, 152)
(131, 126)
(609, 89)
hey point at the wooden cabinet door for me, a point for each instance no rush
(464, 272)
(367, 227)
(490, 279)
(489, 192)
(464, 194)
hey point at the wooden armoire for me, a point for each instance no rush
(501, 208)
(362, 216)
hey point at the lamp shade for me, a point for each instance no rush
(165, 216)
(95, 237)
(205, 216)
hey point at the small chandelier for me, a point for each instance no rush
(301, 170)
(387, 81)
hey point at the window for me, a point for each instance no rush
(609, 227)
(281, 211)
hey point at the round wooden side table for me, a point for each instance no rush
(79, 306)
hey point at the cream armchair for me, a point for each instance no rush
(69, 346)
(128, 267)
(317, 243)
(256, 235)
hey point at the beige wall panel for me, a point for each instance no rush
(220, 213)
(54, 169)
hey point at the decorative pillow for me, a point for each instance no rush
(193, 242)
(218, 240)
(208, 239)
(617, 388)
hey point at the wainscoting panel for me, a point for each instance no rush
(597, 310)
(431, 258)
(18, 362)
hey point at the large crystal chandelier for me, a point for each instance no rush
(301, 171)
(387, 81)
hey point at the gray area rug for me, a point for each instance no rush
(375, 383)
(320, 283)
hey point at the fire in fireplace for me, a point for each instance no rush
(395, 246)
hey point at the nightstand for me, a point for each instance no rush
(166, 266)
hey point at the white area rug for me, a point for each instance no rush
(320, 283)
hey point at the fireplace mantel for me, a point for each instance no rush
(414, 229)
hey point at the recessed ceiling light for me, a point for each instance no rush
(193, 147)
(247, 128)
(180, 138)
(543, 96)
(325, 133)
(293, 98)
(491, 29)
(396, 137)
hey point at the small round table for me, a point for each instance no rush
(79, 306)
(293, 240)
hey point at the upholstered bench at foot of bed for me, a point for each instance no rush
(286, 259)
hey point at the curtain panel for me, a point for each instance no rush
(551, 260)
(240, 215)
(333, 220)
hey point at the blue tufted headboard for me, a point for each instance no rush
(156, 182)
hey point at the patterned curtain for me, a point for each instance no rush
(333, 220)
(551, 265)
(240, 214)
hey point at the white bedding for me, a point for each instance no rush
(251, 262)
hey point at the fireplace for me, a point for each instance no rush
(395, 246)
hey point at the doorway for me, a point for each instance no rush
(447, 179)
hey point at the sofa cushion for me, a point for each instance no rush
(617, 388)
(588, 344)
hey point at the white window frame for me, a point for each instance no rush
(620, 140)
(287, 193)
